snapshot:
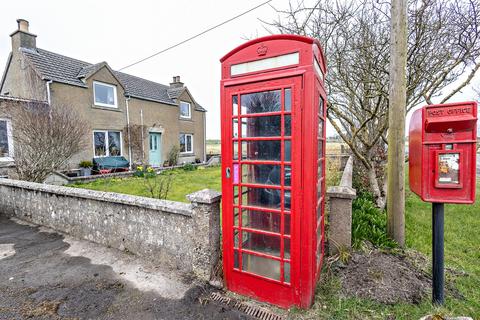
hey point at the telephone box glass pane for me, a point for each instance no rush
(261, 150)
(269, 126)
(259, 102)
(235, 150)
(260, 220)
(288, 125)
(235, 105)
(288, 99)
(286, 271)
(262, 243)
(288, 176)
(320, 106)
(261, 174)
(286, 246)
(265, 267)
(288, 150)
(448, 171)
(235, 128)
(288, 200)
(287, 224)
(261, 197)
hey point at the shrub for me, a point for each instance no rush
(369, 223)
(86, 164)
(189, 167)
(173, 156)
(145, 172)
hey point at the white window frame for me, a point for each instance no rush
(100, 104)
(189, 110)
(11, 151)
(191, 139)
(107, 151)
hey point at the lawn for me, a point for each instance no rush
(462, 252)
(183, 183)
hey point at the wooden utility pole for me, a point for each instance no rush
(396, 122)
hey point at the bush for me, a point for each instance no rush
(173, 156)
(189, 167)
(144, 172)
(369, 223)
(86, 164)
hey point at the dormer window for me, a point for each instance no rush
(105, 95)
(185, 110)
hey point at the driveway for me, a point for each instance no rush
(46, 275)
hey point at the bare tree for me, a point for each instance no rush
(443, 48)
(45, 138)
(135, 140)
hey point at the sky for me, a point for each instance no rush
(122, 32)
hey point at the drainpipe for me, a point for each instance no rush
(49, 98)
(143, 142)
(204, 137)
(128, 134)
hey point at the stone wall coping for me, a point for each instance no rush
(142, 202)
(342, 192)
(206, 196)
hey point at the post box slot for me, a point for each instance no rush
(463, 123)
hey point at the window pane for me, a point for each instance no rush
(262, 266)
(235, 105)
(320, 128)
(286, 271)
(262, 126)
(287, 224)
(288, 150)
(235, 128)
(261, 174)
(288, 200)
(263, 243)
(100, 144)
(114, 145)
(182, 143)
(184, 109)
(288, 99)
(267, 101)
(261, 150)
(288, 125)
(288, 176)
(261, 197)
(104, 94)
(320, 107)
(267, 221)
(4, 151)
(189, 143)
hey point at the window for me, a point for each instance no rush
(186, 143)
(107, 143)
(185, 110)
(105, 95)
(6, 143)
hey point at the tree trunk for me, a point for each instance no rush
(375, 187)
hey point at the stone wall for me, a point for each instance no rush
(185, 236)
(340, 200)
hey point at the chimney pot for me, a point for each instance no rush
(22, 25)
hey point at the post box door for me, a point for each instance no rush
(261, 205)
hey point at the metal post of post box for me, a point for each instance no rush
(438, 253)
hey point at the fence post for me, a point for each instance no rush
(340, 200)
(206, 232)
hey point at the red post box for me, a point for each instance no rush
(273, 107)
(442, 152)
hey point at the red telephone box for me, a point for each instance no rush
(443, 152)
(273, 107)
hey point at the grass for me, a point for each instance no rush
(462, 252)
(184, 182)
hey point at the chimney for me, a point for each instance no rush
(22, 38)
(176, 82)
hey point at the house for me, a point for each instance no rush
(112, 102)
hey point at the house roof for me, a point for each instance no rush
(59, 68)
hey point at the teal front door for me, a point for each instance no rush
(155, 144)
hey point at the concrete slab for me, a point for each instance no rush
(47, 275)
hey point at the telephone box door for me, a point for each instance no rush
(261, 156)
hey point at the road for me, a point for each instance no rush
(46, 275)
